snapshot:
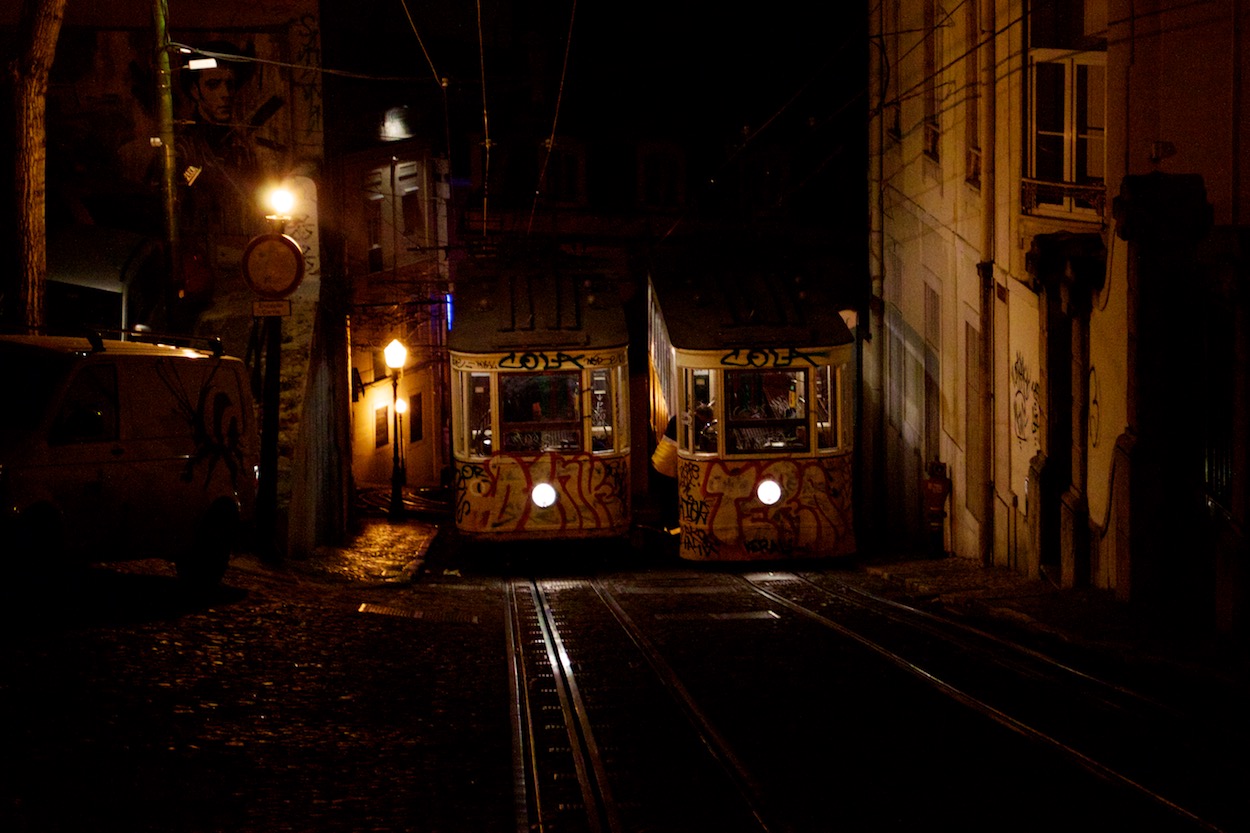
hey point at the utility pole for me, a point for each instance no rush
(165, 139)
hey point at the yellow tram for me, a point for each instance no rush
(540, 404)
(756, 370)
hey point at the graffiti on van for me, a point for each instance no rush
(213, 418)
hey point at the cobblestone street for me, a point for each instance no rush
(365, 688)
(297, 698)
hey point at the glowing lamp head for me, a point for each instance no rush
(396, 354)
(401, 406)
(768, 492)
(281, 201)
(544, 495)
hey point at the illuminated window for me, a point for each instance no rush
(697, 425)
(766, 411)
(828, 435)
(478, 401)
(539, 411)
(602, 410)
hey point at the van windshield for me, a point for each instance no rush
(30, 378)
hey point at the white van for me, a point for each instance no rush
(115, 450)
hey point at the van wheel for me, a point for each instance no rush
(204, 564)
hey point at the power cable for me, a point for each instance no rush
(481, 53)
(551, 140)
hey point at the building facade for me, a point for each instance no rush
(1056, 191)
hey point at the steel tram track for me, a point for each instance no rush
(873, 621)
(606, 738)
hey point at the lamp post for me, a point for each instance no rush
(273, 266)
(396, 355)
(401, 408)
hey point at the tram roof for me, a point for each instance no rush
(511, 303)
(716, 294)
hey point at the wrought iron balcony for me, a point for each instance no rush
(1041, 197)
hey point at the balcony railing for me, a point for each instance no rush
(1041, 197)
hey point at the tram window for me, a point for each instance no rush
(827, 407)
(766, 411)
(540, 411)
(479, 410)
(602, 411)
(698, 424)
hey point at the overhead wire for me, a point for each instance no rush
(551, 140)
(481, 53)
(754, 135)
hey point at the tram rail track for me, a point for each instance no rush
(592, 703)
(611, 734)
(874, 621)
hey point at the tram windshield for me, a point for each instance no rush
(540, 412)
(765, 411)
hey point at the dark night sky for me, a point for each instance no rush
(697, 71)
(641, 67)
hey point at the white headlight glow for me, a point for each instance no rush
(544, 495)
(768, 492)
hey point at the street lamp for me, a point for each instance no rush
(401, 408)
(396, 355)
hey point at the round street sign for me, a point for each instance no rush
(273, 265)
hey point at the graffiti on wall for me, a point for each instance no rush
(493, 495)
(722, 519)
(1025, 409)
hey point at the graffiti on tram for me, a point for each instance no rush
(721, 518)
(773, 357)
(493, 496)
(540, 361)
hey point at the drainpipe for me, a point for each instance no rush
(989, 62)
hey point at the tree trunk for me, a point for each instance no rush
(28, 72)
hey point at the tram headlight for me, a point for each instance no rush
(544, 495)
(768, 491)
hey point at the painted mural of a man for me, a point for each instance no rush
(216, 158)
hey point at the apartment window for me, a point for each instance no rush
(408, 181)
(416, 419)
(1067, 109)
(381, 426)
(972, 99)
(1068, 121)
(894, 120)
(932, 131)
(932, 372)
